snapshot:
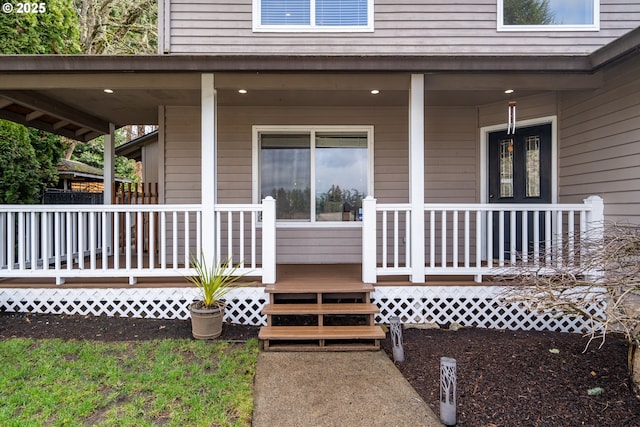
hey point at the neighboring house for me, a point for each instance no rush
(144, 150)
(78, 176)
(320, 103)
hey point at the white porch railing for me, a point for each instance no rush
(60, 241)
(476, 239)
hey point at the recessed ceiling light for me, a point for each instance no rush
(242, 91)
(375, 92)
(108, 91)
(508, 91)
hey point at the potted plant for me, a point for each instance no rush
(214, 283)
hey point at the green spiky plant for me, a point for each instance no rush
(214, 282)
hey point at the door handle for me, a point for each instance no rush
(491, 196)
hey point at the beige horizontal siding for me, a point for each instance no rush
(599, 149)
(401, 27)
(182, 155)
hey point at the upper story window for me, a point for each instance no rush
(313, 15)
(548, 15)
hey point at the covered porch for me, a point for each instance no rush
(427, 210)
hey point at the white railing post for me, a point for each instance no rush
(269, 240)
(594, 233)
(369, 240)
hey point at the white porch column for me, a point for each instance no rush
(208, 184)
(109, 164)
(108, 176)
(416, 177)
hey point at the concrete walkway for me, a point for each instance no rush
(335, 389)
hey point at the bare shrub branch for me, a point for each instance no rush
(599, 280)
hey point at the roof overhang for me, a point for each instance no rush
(64, 93)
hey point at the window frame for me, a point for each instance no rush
(312, 129)
(533, 28)
(259, 27)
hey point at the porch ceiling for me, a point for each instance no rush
(76, 106)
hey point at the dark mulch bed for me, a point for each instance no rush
(505, 378)
(508, 378)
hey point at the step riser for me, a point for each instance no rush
(325, 318)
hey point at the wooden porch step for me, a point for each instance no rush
(323, 288)
(318, 309)
(321, 332)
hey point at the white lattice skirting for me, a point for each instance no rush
(477, 306)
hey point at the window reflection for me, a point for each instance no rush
(285, 174)
(341, 175)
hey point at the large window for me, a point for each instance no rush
(316, 175)
(313, 15)
(548, 15)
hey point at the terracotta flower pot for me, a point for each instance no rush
(206, 323)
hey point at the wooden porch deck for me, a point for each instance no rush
(288, 276)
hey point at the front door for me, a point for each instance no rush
(519, 172)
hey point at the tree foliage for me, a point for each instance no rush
(19, 179)
(118, 26)
(527, 12)
(54, 31)
(92, 153)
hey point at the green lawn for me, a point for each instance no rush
(166, 382)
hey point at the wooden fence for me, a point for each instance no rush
(129, 193)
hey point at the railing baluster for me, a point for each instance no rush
(478, 239)
(139, 239)
(407, 238)
(253, 239)
(229, 238)
(432, 238)
(512, 237)
(12, 245)
(116, 240)
(501, 239)
(559, 239)
(241, 239)
(547, 238)
(571, 238)
(396, 237)
(105, 240)
(163, 240)
(467, 240)
(33, 242)
(218, 236)
(443, 240)
(187, 243)
(536, 238)
(174, 216)
(152, 240)
(490, 238)
(455, 225)
(92, 240)
(524, 226)
(384, 239)
(81, 241)
(22, 240)
(198, 234)
(127, 240)
(69, 255)
(44, 240)
(583, 237)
